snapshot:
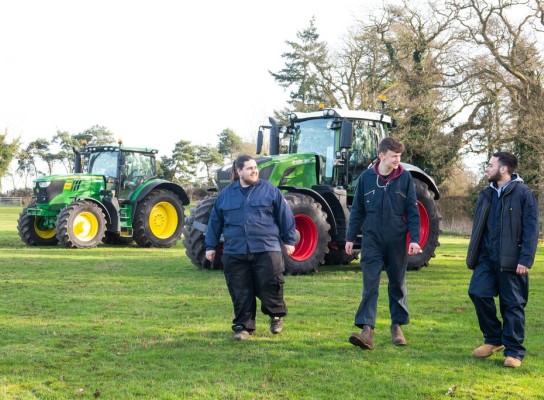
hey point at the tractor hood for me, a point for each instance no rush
(56, 188)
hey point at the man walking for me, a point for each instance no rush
(256, 222)
(384, 209)
(501, 251)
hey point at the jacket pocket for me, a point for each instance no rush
(232, 213)
(399, 202)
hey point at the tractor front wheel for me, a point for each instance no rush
(312, 235)
(81, 225)
(158, 220)
(429, 228)
(35, 231)
(194, 235)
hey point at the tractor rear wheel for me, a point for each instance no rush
(158, 220)
(429, 227)
(193, 235)
(312, 234)
(80, 225)
(35, 231)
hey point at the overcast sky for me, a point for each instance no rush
(152, 72)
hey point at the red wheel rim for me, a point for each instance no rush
(424, 226)
(307, 231)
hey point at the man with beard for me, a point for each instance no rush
(501, 251)
(384, 209)
(256, 223)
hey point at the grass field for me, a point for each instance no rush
(127, 323)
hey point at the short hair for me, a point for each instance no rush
(507, 160)
(238, 164)
(390, 144)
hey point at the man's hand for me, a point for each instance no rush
(289, 249)
(522, 270)
(349, 247)
(210, 255)
(414, 249)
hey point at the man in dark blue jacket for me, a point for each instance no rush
(256, 223)
(384, 209)
(502, 248)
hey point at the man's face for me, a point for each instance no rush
(390, 160)
(494, 171)
(249, 175)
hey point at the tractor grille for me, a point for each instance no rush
(76, 185)
(46, 194)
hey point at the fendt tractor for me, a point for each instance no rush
(327, 151)
(117, 200)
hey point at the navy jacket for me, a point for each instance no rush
(254, 222)
(517, 222)
(384, 212)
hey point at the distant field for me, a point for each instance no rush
(133, 323)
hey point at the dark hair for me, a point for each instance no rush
(507, 160)
(390, 144)
(238, 164)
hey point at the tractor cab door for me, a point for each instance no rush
(137, 169)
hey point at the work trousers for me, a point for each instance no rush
(488, 281)
(251, 276)
(376, 256)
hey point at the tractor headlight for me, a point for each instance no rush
(44, 184)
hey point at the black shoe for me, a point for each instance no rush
(276, 324)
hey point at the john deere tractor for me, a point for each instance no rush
(117, 200)
(326, 153)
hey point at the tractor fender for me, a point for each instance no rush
(421, 175)
(317, 197)
(109, 220)
(159, 184)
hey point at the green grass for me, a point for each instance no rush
(145, 323)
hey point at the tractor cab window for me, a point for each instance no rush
(103, 163)
(317, 136)
(138, 168)
(364, 149)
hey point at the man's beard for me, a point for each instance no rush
(495, 177)
(252, 181)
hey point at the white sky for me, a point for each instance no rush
(152, 72)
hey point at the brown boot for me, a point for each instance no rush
(397, 336)
(365, 339)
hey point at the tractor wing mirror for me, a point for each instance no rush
(346, 134)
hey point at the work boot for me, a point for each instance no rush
(512, 362)
(242, 335)
(486, 350)
(276, 324)
(365, 339)
(397, 336)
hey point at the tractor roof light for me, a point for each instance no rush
(328, 112)
(292, 116)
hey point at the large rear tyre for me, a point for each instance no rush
(312, 233)
(158, 220)
(81, 225)
(429, 227)
(35, 231)
(194, 235)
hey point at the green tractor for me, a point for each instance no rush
(326, 153)
(117, 200)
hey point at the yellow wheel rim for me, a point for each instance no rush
(163, 220)
(43, 233)
(85, 226)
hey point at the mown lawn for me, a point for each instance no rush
(127, 323)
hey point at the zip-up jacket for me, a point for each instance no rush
(251, 222)
(517, 222)
(384, 208)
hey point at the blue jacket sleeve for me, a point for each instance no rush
(215, 226)
(411, 211)
(285, 218)
(358, 213)
(529, 239)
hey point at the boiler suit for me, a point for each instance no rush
(384, 211)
